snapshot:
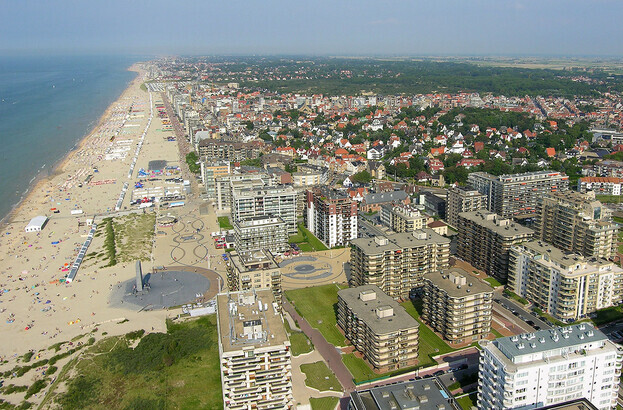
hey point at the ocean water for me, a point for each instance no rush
(47, 105)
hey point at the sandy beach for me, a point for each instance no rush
(36, 310)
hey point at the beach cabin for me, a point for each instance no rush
(36, 224)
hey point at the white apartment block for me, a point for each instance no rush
(254, 352)
(601, 185)
(549, 367)
(567, 286)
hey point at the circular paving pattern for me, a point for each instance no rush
(304, 268)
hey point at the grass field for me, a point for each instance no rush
(318, 306)
(467, 401)
(608, 315)
(358, 368)
(608, 199)
(430, 343)
(177, 369)
(496, 333)
(323, 403)
(493, 282)
(224, 223)
(126, 239)
(319, 377)
(307, 241)
(300, 343)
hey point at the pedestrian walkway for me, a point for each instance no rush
(329, 353)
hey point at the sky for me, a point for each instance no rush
(319, 27)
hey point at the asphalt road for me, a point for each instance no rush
(506, 306)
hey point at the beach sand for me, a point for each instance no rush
(36, 310)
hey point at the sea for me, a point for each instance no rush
(47, 105)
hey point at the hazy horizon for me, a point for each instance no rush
(447, 28)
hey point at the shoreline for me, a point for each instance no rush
(57, 167)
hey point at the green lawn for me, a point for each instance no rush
(608, 315)
(468, 401)
(177, 369)
(496, 333)
(493, 282)
(323, 403)
(299, 342)
(361, 371)
(430, 343)
(465, 381)
(307, 241)
(224, 223)
(358, 368)
(319, 377)
(318, 306)
(515, 297)
(608, 199)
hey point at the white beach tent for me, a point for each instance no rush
(36, 223)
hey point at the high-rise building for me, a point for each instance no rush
(428, 393)
(254, 270)
(576, 222)
(378, 327)
(461, 199)
(210, 171)
(567, 286)
(549, 367)
(402, 218)
(397, 263)
(265, 201)
(331, 216)
(516, 195)
(261, 232)
(456, 305)
(254, 352)
(485, 239)
(224, 186)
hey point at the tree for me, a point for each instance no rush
(362, 177)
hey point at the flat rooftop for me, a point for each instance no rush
(471, 286)
(399, 241)
(422, 394)
(366, 310)
(254, 260)
(242, 324)
(552, 339)
(495, 223)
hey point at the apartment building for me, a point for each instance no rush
(233, 151)
(308, 175)
(576, 222)
(428, 393)
(516, 195)
(210, 171)
(265, 201)
(378, 327)
(457, 305)
(397, 263)
(254, 352)
(403, 218)
(484, 240)
(225, 184)
(462, 199)
(601, 185)
(565, 285)
(331, 216)
(261, 232)
(548, 367)
(605, 168)
(254, 270)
